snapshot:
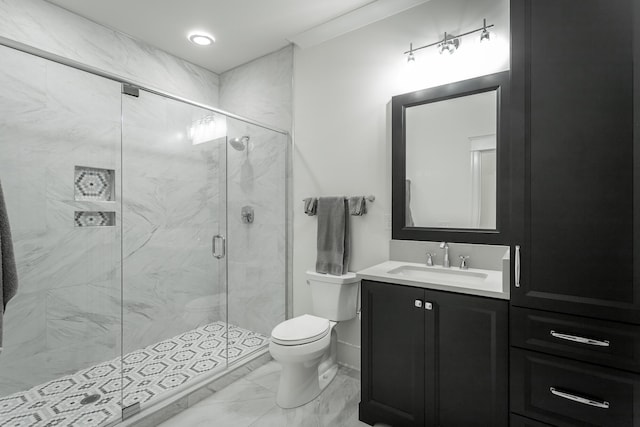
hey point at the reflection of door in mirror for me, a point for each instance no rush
(451, 162)
(483, 181)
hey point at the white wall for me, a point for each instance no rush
(47, 27)
(341, 93)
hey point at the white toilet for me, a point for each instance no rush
(305, 346)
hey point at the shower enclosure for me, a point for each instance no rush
(140, 272)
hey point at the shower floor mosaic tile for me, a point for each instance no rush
(140, 376)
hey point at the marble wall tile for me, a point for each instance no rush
(261, 89)
(82, 313)
(256, 252)
(171, 211)
(45, 26)
(66, 313)
(169, 206)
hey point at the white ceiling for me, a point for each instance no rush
(243, 29)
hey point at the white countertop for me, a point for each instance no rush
(491, 286)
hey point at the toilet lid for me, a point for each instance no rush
(300, 330)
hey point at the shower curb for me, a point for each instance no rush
(173, 405)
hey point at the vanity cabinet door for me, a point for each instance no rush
(393, 368)
(573, 109)
(432, 358)
(470, 360)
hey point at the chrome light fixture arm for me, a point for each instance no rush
(448, 41)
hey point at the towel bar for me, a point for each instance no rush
(370, 198)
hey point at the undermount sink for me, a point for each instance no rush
(474, 281)
(439, 274)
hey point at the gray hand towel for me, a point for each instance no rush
(357, 205)
(310, 206)
(8, 273)
(333, 236)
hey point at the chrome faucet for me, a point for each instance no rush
(430, 257)
(445, 262)
(464, 265)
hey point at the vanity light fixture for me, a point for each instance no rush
(450, 43)
(485, 36)
(200, 38)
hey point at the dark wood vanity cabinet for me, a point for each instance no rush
(575, 296)
(577, 156)
(432, 358)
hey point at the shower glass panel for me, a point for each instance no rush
(150, 239)
(174, 287)
(257, 226)
(60, 172)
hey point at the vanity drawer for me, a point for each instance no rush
(518, 421)
(565, 392)
(591, 340)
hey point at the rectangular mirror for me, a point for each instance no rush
(450, 173)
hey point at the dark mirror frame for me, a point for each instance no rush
(500, 235)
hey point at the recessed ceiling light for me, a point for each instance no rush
(201, 39)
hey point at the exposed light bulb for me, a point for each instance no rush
(411, 59)
(485, 36)
(449, 46)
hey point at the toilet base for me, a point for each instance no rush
(325, 379)
(300, 383)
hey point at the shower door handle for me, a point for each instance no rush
(223, 246)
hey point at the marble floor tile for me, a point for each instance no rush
(238, 404)
(268, 376)
(250, 402)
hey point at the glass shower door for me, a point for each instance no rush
(174, 271)
(60, 169)
(257, 227)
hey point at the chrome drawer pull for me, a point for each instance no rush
(585, 401)
(581, 340)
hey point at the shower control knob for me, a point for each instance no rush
(247, 214)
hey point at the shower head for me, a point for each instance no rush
(240, 143)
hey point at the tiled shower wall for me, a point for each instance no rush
(66, 315)
(67, 312)
(47, 27)
(172, 210)
(262, 90)
(257, 251)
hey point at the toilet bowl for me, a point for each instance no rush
(306, 345)
(305, 357)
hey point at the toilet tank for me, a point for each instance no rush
(334, 297)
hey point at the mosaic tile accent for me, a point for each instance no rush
(142, 375)
(94, 184)
(94, 219)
